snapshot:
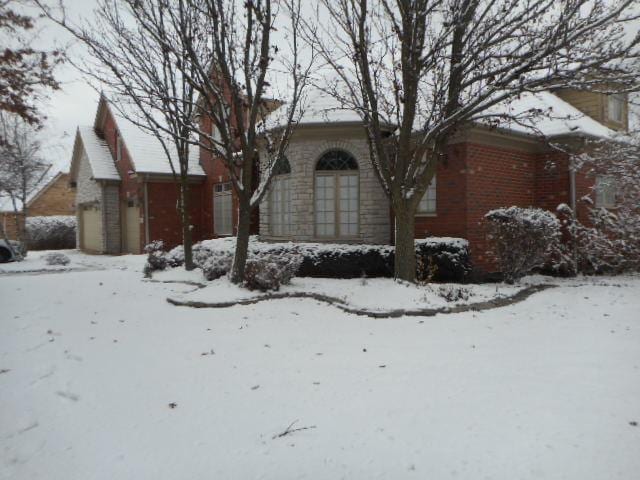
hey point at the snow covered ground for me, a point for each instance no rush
(101, 378)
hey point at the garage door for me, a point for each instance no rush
(132, 237)
(91, 229)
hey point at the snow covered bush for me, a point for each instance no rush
(446, 258)
(56, 258)
(156, 257)
(609, 239)
(269, 272)
(51, 233)
(215, 265)
(522, 239)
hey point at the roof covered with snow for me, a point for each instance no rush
(318, 108)
(98, 153)
(145, 150)
(556, 117)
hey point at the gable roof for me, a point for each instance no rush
(98, 154)
(559, 119)
(145, 150)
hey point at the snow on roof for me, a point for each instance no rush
(98, 154)
(145, 150)
(319, 108)
(557, 117)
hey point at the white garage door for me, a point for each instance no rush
(133, 230)
(91, 229)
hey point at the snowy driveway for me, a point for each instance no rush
(92, 363)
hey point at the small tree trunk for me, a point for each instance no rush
(405, 256)
(186, 224)
(242, 241)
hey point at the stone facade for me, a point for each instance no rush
(111, 240)
(305, 148)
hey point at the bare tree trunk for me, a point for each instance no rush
(185, 221)
(405, 256)
(242, 241)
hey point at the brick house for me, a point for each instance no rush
(54, 197)
(326, 189)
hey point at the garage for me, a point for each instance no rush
(132, 230)
(91, 222)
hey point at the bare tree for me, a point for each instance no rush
(139, 56)
(610, 239)
(417, 71)
(22, 169)
(238, 75)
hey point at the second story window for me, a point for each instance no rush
(615, 107)
(427, 203)
(118, 147)
(605, 192)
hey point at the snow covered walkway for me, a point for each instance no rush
(101, 378)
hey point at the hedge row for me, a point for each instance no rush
(438, 259)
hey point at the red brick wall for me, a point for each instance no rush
(451, 201)
(164, 220)
(496, 177)
(475, 179)
(217, 173)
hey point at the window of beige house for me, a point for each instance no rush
(280, 199)
(605, 191)
(427, 203)
(222, 209)
(337, 192)
(615, 107)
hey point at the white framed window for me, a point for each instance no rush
(280, 199)
(428, 203)
(605, 191)
(615, 107)
(337, 195)
(118, 147)
(222, 209)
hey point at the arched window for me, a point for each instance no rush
(280, 199)
(337, 195)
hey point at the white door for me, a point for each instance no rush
(91, 229)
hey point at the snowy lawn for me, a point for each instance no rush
(101, 378)
(35, 262)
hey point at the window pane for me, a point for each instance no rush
(222, 209)
(348, 205)
(325, 205)
(428, 202)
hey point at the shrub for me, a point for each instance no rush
(215, 265)
(51, 233)
(156, 257)
(522, 239)
(269, 272)
(446, 259)
(454, 293)
(56, 258)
